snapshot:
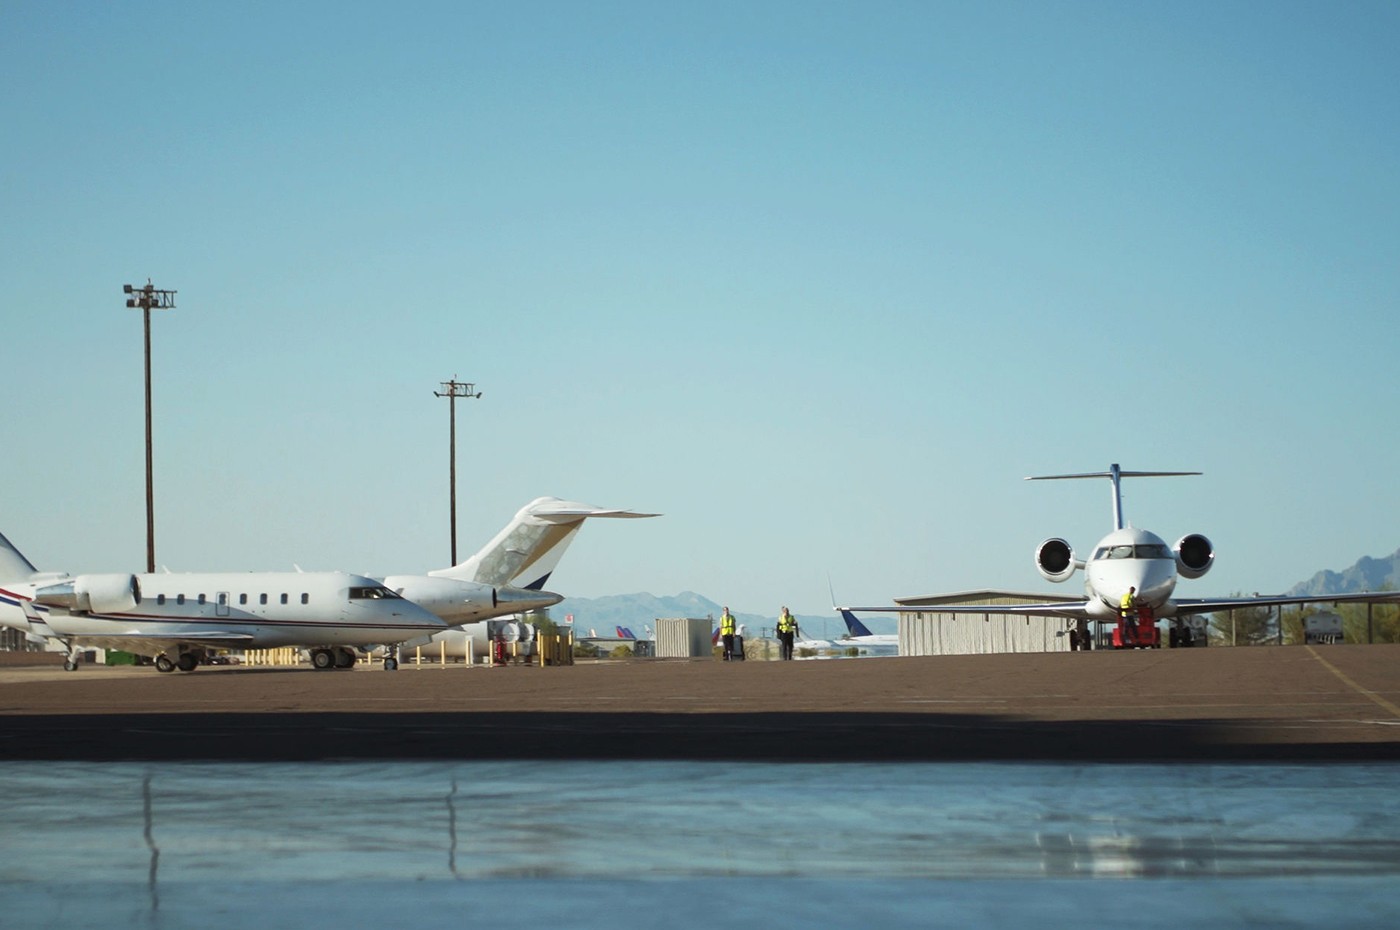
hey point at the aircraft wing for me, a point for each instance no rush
(1202, 605)
(154, 644)
(1073, 609)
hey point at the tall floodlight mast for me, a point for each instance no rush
(149, 298)
(452, 390)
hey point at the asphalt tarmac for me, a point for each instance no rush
(1266, 704)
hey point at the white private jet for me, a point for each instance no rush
(179, 618)
(516, 564)
(506, 578)
(1130, 558)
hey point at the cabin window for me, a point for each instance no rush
(201, 600)
(242, 598)
(305, 598)
(179, 599)
(160, 599)
(284, 598)
(262, 598)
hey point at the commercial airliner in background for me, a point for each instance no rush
(1129, 558)
(516, 565)
(860, 634)
(178, 619)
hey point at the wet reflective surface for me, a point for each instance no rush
(692, 844)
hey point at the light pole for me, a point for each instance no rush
(452, 390)
(148, 298)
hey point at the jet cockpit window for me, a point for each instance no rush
(378, 592)
(1147, 551)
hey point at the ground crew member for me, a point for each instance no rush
(1128, 608)
(787, 628)
(726, 633)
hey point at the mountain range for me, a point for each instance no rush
(1367, 574)
(640, 610)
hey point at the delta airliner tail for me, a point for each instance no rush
(855, 626)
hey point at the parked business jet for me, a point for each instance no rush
(1129, 558)
(504, 579)
(178, 618)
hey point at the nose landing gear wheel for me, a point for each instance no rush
(163, 663)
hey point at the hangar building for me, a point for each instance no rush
(935, 633)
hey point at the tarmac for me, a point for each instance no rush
(1265, 704)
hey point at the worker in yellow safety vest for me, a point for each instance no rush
(726, 632)
(1128, 608)
(787, 628)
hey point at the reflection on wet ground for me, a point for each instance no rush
(688, 844)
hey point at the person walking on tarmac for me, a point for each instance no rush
(1127, 607)
(726, 633)
(787, 627)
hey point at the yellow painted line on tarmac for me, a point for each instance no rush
(1353, 685)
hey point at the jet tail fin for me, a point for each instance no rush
(526, 552)
(855, 627)
(13, 565)
(1116, 475)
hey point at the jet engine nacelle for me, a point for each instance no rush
(1055, 560)
(1194, 555)
(452, 600)
(101, 594)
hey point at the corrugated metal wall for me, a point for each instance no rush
(935, 634)
(683, 637)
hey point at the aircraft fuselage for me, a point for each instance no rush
(1130, 558)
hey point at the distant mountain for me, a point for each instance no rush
(1367, 574)
(639, 610)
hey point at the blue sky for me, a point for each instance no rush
(821, 282)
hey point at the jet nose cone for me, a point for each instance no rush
(520, 600)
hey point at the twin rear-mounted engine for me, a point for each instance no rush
(98, 594)
(1194, 555)
(1056, 562)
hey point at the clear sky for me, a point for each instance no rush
(821, 282)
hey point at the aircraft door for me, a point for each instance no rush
(221, 604)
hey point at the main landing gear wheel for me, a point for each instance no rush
(322, 659)
(187, 662)
(163, 663)
(344, 658)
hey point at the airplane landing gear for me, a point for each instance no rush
(163, 663)
(326, 657)
(187, 662)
